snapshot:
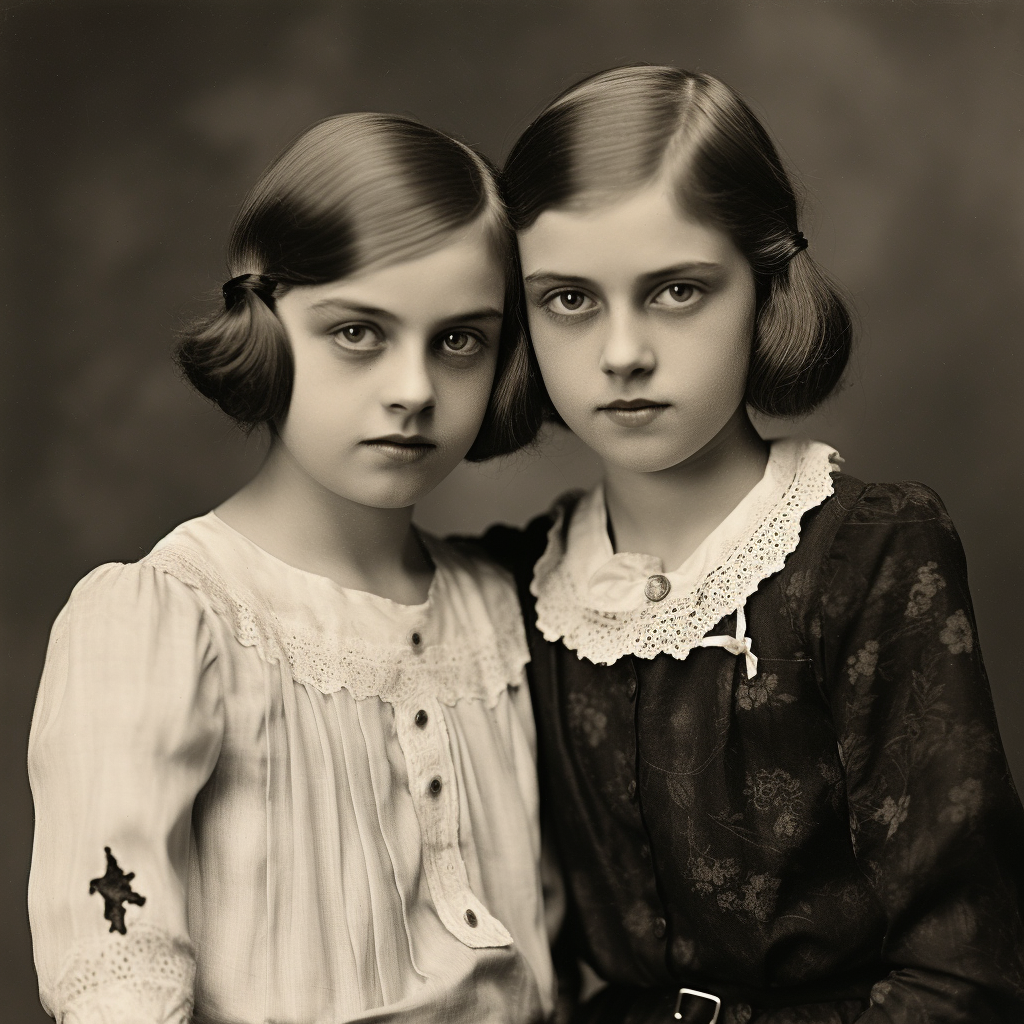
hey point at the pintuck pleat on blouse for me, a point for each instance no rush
(327, 800)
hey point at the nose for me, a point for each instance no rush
(409, 388)
(626, 353)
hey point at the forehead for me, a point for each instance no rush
(464, 272)
(634, 234)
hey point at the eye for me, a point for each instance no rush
(678, 294)
(459, 343)
(358, 337)
(569, 301)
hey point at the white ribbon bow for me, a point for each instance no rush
(738, 644)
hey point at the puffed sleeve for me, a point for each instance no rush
(936, 822)
(126, 731)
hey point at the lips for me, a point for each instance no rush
(401, 447)
(411, 439)
(634, 412)
(634, 403)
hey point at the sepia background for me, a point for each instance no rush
(131, 131)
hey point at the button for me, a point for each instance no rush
(470, 918)
(660, 925)
(632, 688)
(657, 587)
(435, 785)
(631, 788)
(421, 718)
(416, 640)
(645, 851)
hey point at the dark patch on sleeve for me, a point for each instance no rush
(116, 889)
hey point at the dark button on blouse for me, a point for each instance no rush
(470, 918)
(435, 785)
(632, 688)
(421, 718)
(660, 925)
(416, 640)
(631, 789)
(657, 587)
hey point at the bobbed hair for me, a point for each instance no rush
(354, 192)
(619, 130)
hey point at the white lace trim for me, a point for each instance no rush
(145, 976)
(676, 625)
(477, 667)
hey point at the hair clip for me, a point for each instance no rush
(255, 283)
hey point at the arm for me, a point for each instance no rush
(935, 819)
(126, 730)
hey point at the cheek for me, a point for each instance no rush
(323, 410)
(720, 358)
(462, 398)
(557, 355)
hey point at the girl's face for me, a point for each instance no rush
(393, 370)
(642, 319)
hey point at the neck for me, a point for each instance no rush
(361, 547)
(670, 512)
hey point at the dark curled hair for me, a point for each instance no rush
(352, 192)
(619, 130)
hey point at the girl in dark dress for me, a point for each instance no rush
(768, 747)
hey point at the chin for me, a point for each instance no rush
(391, 491)
(396, 497)
(641, 454)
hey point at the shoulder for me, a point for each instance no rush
(891, 504)
(477, 609)
(857, 509)
(469, 564)
(870, 535)
(133, 589)
(884, 515)
(888, 538)
(480, 590)
(179, 577)
(125, 614)
(214, 562)
(518, 549)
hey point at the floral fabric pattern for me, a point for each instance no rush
(837, 840)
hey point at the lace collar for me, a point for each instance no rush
(465, 642)
(605, 605)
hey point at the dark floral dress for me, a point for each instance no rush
(837, 839)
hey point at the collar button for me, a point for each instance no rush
(657, 587)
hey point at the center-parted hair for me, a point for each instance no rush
(622, 129)
(351, 193)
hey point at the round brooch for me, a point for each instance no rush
(657, 587)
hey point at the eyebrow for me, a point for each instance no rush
(488, 313)
(549, 277)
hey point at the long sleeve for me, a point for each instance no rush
(127, 729)
(936, 822)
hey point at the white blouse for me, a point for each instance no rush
(324, 803)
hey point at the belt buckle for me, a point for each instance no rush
(709, 996)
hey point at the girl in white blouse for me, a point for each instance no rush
(283, 766)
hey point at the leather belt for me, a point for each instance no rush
(694, 1007)
(689, 1004)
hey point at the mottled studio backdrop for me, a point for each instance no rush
(131, 131)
